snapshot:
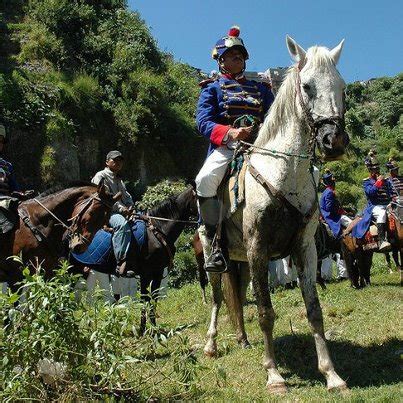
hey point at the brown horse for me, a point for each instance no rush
(359, 261)
(42, 225)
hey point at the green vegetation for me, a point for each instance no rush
(373, 120)
(89, 73)
(101, 356)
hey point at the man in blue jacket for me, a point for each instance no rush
(379, 192)
(330, 207)
(222, 100)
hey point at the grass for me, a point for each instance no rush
(363, 326)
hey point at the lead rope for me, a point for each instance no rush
(53, 215)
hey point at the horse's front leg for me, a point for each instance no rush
(305, 258)
(210, 349)
(259, 267)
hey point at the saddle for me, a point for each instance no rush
(100, 251)
(8, 213)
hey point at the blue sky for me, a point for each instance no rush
(373, 31)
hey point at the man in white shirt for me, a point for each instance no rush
(122, 208)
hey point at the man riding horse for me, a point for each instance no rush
(222, 100)
(330, 207)
(379, 192)
(395, 179)
(122, 209)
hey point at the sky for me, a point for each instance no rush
(373, 31)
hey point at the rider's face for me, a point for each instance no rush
(233, 61)
(115, 165)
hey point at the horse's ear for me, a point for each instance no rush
(297, 53)
(335, 52)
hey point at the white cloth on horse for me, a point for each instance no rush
(213, 170)
(341, 267)
(379, 213)
(102, 281)
(326, 268)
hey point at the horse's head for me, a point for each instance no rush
(320, 92)
(90, 214)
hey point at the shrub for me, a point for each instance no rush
(93, 349)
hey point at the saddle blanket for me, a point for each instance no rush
(100, 251)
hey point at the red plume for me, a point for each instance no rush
(234, 31)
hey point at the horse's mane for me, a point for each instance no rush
(168, 208)
(284, 105)
(58, 188)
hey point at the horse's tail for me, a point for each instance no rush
(235, 284)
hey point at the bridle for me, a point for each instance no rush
(73, 229)
(315, 124)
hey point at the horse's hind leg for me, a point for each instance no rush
(210, 349)
(258, 264)
(305, 259)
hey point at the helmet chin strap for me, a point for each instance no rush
(224, 71)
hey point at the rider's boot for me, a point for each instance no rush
(383, 244)
(210, 213)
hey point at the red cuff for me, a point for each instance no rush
(341, 211)
(379, 183)
(218, 133)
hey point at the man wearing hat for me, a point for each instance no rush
(222, 100)
(122, 234)
(330, 207)
(379, 192)
(394, 178)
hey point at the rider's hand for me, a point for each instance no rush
(380, 178)
(241, 133)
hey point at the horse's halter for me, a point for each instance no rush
(73, 229)
(315, 124)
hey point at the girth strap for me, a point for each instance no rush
(161, 238)
(303, 218)
(38, 234)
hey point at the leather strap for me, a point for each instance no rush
(303, 218)
(161, 237)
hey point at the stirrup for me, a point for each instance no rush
(216, 262)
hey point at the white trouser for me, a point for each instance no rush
(379, 213)
(213, 170)
(125, 287)
(345, 221)
(341, 267)
(102, 280)
(326, 268)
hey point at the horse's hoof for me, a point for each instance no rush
(245, 344)
(277, 388)
(341, 388)
(210, 353)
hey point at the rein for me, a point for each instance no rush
(146, 217)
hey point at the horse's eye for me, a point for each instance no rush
(306, 87)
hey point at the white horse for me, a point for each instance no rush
(280, 215)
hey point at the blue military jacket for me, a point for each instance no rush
(376, 196)
(10, 184)
(329, 208)
(224, 100)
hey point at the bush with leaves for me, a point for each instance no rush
(58, 347)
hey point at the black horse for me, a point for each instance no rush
(158, 251)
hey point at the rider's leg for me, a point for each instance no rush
(345, 221)
(121, 241)
(207, 183)
(379, 212)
